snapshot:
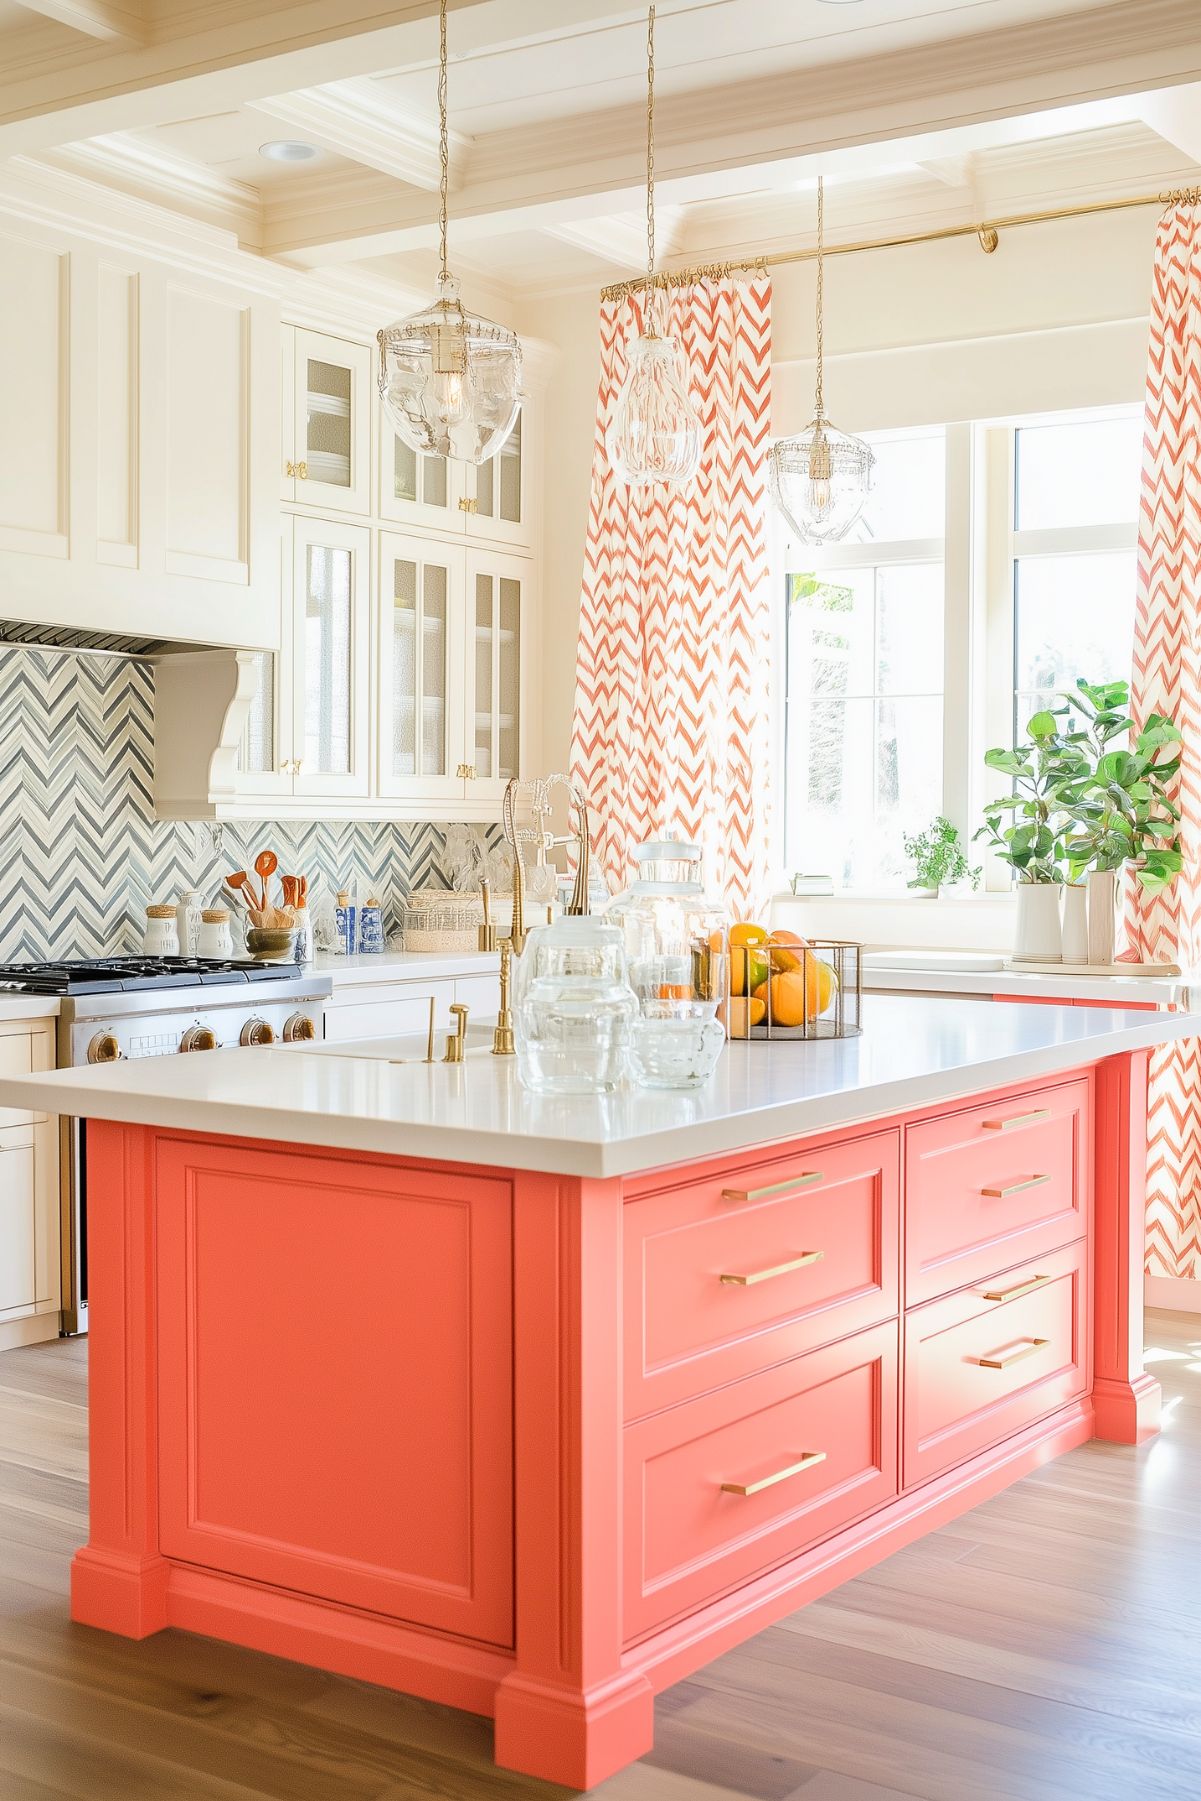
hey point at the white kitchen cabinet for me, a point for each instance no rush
(498, 597)
(328, 397)
(330, 659)
(399, 1009)
(138, 494)
(421, 719)
(30, 1272)
(488, 503)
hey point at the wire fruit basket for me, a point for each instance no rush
(784, 990)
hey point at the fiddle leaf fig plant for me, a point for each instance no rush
(1127, 813)
(1027, 827)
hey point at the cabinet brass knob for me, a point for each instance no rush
(466, 772)
(468, 505)
(302, 470)
(290, 468)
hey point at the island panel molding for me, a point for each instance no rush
(82, 852)
(639, 1548)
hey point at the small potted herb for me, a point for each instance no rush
(938, 858)
(1027, 828)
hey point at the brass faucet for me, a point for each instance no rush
(456, 1044)
(502, 1037)
(517, 925)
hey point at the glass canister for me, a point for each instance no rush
(675, 934)
(572, 1008)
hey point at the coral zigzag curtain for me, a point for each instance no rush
(1167, 679)
(672, 725)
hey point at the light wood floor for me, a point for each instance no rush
(1046, 1647)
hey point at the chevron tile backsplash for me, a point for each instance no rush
(80, 850)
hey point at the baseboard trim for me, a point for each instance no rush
(1176, 1294)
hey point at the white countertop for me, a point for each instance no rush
(912, 1053)
(951, 972)
(28, 1006)
(404, 966)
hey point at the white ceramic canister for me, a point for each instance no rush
(215, 938)
(187, 921)
(162, 935)
(1039, 936)
(1075, 923)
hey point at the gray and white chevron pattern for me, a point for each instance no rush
(81, 853)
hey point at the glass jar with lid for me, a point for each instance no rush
(675, 934)
(572, 1008)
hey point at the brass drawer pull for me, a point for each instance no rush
(790, 1469)
(779, 1269)
(1016, 1119)
(1002, 1363)
(999, 1194)
(1011, 1294)
(804, 1180)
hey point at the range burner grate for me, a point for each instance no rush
(110, 975)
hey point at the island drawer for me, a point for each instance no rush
(1000, 1355)
(730, 1272)
(991, 1185)
(732, 1483)
(24, 1053)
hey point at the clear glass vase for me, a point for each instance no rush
(675, 934)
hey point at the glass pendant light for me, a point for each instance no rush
(654, 432)
(821, 479)
(450, 383)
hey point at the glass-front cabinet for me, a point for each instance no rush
(307, 735)
(419, 743)
(327, 390)
(496, 588)
(488, 502)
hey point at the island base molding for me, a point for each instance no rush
(539, 1446)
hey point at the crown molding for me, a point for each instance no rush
(347, 118)
(135, 164)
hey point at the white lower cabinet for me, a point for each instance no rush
(402, 1009)
(30, 1271)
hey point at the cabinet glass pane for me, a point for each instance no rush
(433, 669)
(508, 682)
(327, 441)
(485, 638)
(420, 667)
(498, 481)
(257, 756)
(418, 478)
(404, 667)
(327, 654)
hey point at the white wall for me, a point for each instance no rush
(930, 333)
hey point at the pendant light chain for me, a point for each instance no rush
(443, 138)
(650, 147)
(819, 399)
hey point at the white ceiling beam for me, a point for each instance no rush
(102, 19)
(951, 171)
(620, 241)
(141, 167)
(1175, 116)
(346, 118)
(231, 56)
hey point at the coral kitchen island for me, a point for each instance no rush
(533, 1406)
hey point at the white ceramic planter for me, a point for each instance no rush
(1102, 914)
(1039, 937)
(1075, 923)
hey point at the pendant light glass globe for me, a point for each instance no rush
(654, 435)
(820, 480)
(450, 382)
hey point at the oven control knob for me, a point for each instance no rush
(257, 1031)
(198, 1038)
(299, 1029)
(104, 1049)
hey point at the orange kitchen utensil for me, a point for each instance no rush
(240, 879)
(265, 866)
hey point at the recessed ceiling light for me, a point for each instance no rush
(288, 150)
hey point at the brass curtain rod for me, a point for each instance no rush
(988, 234)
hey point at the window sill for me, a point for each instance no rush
(878, 897)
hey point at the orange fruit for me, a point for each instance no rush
(739, 1015)
(785, 959)
(747, 934)
(748, 969)
(799, 996)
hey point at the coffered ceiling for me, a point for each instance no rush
(926, 111)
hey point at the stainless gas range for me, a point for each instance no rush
(119, 1007)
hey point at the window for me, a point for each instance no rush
(865, 676)
(993, 564)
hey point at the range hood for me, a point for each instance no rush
(21, 633)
